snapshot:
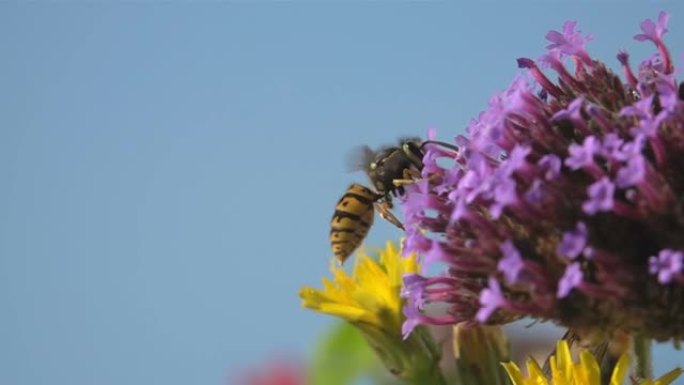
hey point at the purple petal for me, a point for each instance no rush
(413, 319)
(491, 298)
(511, 264)
(460, 211)
(641, 109)
(535, 193)
(573, 242)
(652, 31)
(570, 42)
(610, 145)
(504, 195)
(413, 289)
(550, 165)
(582, 156)
(516, 160)
(415, 241)
(436, 254)
(632, 173)
(571, 279)
(631, 149)
(600, 197)
(667, 264)
(572, 112)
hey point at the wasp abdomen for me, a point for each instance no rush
(351, 221)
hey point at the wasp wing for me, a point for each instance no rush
(360, 158)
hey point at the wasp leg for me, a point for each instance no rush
(410, 173)
(383, 209)
(410, 176)
(413, 177)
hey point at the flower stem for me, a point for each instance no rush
(642, 351)
(424, 367)
(414, 360)
(429, 377)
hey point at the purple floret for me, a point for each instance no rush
(574, 242)
(504, 195)
(570, 42)
(512, 263)
(600, 197)
(571, 279)
(412, 288)
(654, 31)
(583, 155)
(611, 145)
(667, 264)
(632, 173)
(550, 165)
(491, 298)
(572, 112)
(413, 319)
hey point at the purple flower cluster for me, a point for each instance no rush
(565, 200)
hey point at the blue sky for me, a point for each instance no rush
(169, 169)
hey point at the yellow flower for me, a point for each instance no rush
(371, 295)
(370, 299)
(586, 372)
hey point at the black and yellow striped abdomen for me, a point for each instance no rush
(352, 219)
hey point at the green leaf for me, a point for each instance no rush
(341, 357)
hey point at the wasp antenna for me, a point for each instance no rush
(437, 142)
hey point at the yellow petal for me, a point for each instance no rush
(389, 258)
(514, 373)
(620, 370)
(350, 313)
(535, 373)
(668, 377)
(561, 364)
(587, 370)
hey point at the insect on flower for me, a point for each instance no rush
(389, 169)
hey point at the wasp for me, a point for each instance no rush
(389, 170)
